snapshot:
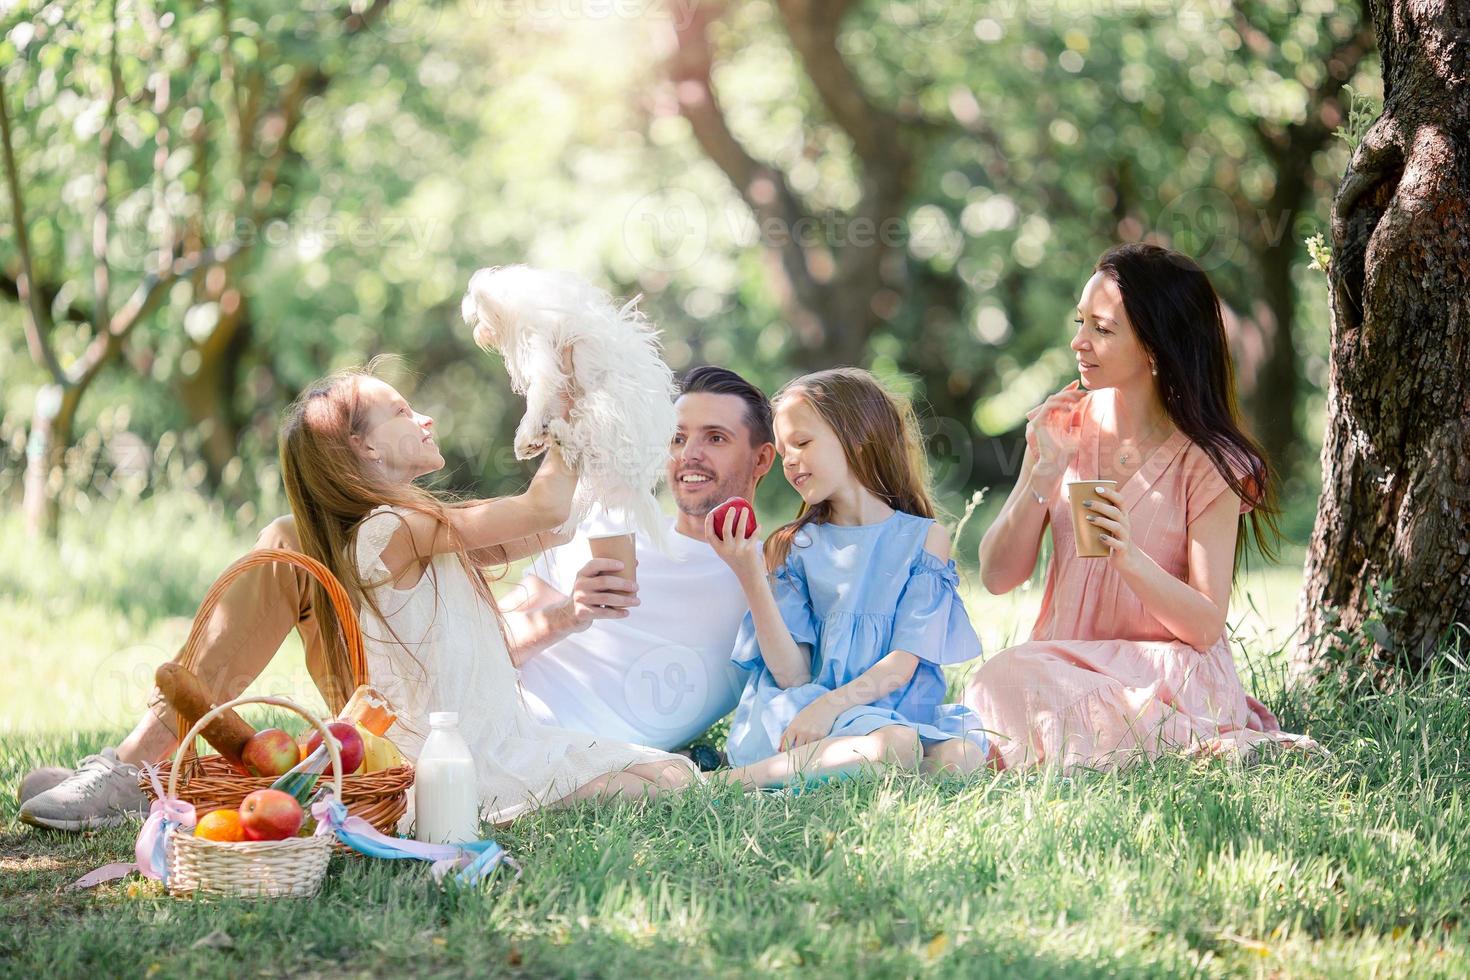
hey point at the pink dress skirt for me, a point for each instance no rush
(1101, 682)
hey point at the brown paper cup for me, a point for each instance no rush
(1087, 535)
(619, 547)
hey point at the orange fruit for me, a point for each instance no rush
(221, 825)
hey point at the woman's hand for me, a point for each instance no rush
(1051, 436)
(811, 724)
(743, 554)
(1109, 515)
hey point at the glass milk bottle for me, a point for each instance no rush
(444, 797)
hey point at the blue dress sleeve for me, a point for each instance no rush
(792, 598)
(931, 621)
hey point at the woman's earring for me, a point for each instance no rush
(1154, 370)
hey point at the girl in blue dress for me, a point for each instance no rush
(853, 605)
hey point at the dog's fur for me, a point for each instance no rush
(566, 341)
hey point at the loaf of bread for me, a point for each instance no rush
(184, 692)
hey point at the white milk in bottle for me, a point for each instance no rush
(444, 797)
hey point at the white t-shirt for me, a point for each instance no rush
(661, 676)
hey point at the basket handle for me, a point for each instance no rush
(341, 604)
(327, 739)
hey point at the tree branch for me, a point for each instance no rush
(10, 283)
(764, 188)
(38, 322)
(143, 301)
(813, 27)
(279, 126)
(101, 217)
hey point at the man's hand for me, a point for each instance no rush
(811, 724)
(599, 593)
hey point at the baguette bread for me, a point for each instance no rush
(184, 692)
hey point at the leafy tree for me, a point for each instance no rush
(169, 128)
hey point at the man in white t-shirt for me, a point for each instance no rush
(653, 667)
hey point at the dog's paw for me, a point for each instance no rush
(530, 448)
(559, 431)
(531, 440)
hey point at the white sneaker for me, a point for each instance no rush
(38, 781)
(102, 792)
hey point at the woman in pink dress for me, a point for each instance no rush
(1128, 657)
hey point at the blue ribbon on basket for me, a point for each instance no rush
(470, 863)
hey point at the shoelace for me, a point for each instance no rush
(96, 763)
(101, 764)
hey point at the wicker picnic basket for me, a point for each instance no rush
(210, 782)
(290, 868)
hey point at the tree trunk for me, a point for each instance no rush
(52, 428)
(208, 393)
(1395, 502)
(1273, 407)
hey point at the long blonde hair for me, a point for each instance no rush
(330, 494)
(879, 435)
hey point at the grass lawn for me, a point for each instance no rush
(1358, 864)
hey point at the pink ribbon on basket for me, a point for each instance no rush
(151, 859)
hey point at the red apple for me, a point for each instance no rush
(270, 752)
(269, 814)
(741, 506)
(349, 743)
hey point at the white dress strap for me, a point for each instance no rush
(373, 534)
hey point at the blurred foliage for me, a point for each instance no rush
(448, 136)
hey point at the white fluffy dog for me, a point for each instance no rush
(565, 341)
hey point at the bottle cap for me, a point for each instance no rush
(443, 719)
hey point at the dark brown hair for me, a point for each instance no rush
(1176, 314)
(711, 380)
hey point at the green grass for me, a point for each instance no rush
(1358, 864)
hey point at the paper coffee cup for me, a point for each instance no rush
(619, 547)
(1089, 543)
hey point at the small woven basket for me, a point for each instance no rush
(291, 868)
(212, 783)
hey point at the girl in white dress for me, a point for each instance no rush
(351, 448)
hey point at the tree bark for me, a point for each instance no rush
(1395, 508)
